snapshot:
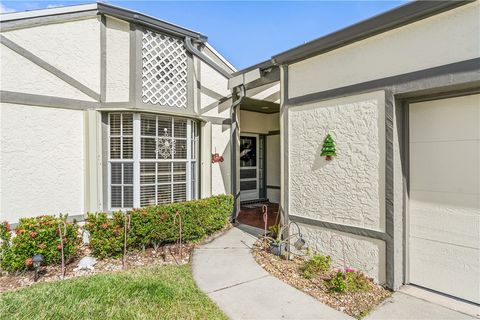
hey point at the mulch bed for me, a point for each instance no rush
(355, 304)
(165, 255)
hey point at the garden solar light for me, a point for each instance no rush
(300, 243)
(37, 261)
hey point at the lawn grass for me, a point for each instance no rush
(166, 292)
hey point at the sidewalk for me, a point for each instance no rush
(226, 271)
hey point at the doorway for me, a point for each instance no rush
(249, 167)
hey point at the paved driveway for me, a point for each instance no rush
(405, 307)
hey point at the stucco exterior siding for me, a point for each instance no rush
(273, 168)
(432, 58)
(42, 161)
(33, 79)
(206, 159)
(351, 251)
(72, 46)
(117, 60)
(221, 177)
(214, 104)
(438, 40)
(95, 64)
(215, 98)
(349, 189)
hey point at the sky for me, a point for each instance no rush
(245, 32)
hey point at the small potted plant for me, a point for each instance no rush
(277, 244)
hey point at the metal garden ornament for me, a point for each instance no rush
(61, 235)
(328, 148)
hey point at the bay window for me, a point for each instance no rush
(152, 160)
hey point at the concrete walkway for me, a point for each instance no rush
(227, 272)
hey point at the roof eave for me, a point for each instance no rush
(39, 13)
(262, 65)
(392, 19)
(107, 9)
(151, 22)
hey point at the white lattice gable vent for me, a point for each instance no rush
(164, 72)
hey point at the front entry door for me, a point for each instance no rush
(249, 150)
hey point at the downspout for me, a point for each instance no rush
(191, 48)
(233, 148)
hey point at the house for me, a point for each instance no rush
(399, 94)
(130, 111)
(103, 108)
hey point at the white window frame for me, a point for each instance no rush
(190, 163)
(120, 160)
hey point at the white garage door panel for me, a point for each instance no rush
(444, 206)
(437, 121)
(452, 269)
(449, 166)
(430, 219)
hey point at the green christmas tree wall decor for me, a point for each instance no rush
(328, 148)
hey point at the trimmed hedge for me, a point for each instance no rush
(106, 235)
(149, 227)
(37, 235)
(156, 225)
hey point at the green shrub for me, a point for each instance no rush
(5, 238)
(37, 235)
(156, 225)
(106, 235)
(348, 281)
(316, 265)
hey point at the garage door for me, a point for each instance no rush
(444, 205)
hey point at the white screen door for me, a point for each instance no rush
(249, 149)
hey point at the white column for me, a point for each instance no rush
(136, 160)
(206, 164)
(189, 162)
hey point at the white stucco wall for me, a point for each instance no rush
(273, 167)
(214, 105)
(216, 57)
(118, 63)
(41, 161)
(346, 250)
(442, 39)
(350, 188)
(21, 75)
(73, 47)
(214, 87)
(221, 177)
